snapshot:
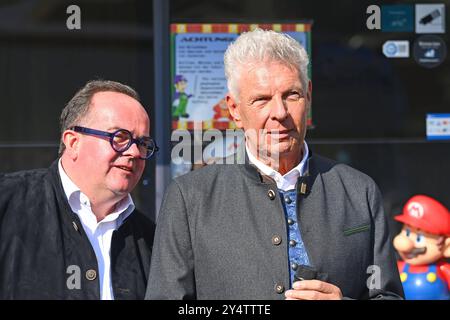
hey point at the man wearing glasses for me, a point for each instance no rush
(72, 231)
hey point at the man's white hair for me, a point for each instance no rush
(261, 46)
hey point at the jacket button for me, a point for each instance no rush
(276, 240)
(271, 194)
(91, 274)
(294, 266)
(287, 199)
(292, 243)
(290, 221)
(279, 288)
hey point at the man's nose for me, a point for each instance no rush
(403, 243)
(279, 109)
(133, 151)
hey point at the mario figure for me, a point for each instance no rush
(423, 244)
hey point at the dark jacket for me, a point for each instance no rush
(221, 238)
(45, 253)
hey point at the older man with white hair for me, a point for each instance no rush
(287, 224)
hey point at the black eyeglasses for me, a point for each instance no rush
(121, 140)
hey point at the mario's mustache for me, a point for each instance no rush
(416, 251)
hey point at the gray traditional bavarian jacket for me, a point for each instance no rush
(221, 234)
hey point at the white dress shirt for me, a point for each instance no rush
(287, 181)
(99, 233)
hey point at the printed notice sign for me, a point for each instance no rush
(198, 80)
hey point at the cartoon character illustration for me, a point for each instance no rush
(423, 244)
(221, 112)
(181, 98)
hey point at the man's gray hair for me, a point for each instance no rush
(77, 108)
(260, 46)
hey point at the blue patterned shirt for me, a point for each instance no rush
(296, 248)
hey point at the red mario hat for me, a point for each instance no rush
(427, 214)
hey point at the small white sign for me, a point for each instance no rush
(396, 49)
(438, 126)
(430, 18)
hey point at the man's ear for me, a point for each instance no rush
(447, 247)
(71, 140)
(234, 110)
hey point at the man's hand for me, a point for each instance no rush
(313, 290)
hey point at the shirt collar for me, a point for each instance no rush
(76, 199)
(297, 171)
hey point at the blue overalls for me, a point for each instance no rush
(424, 286)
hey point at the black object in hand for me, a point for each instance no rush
(309, 273)
(305, 273)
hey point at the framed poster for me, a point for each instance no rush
(197, 71)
